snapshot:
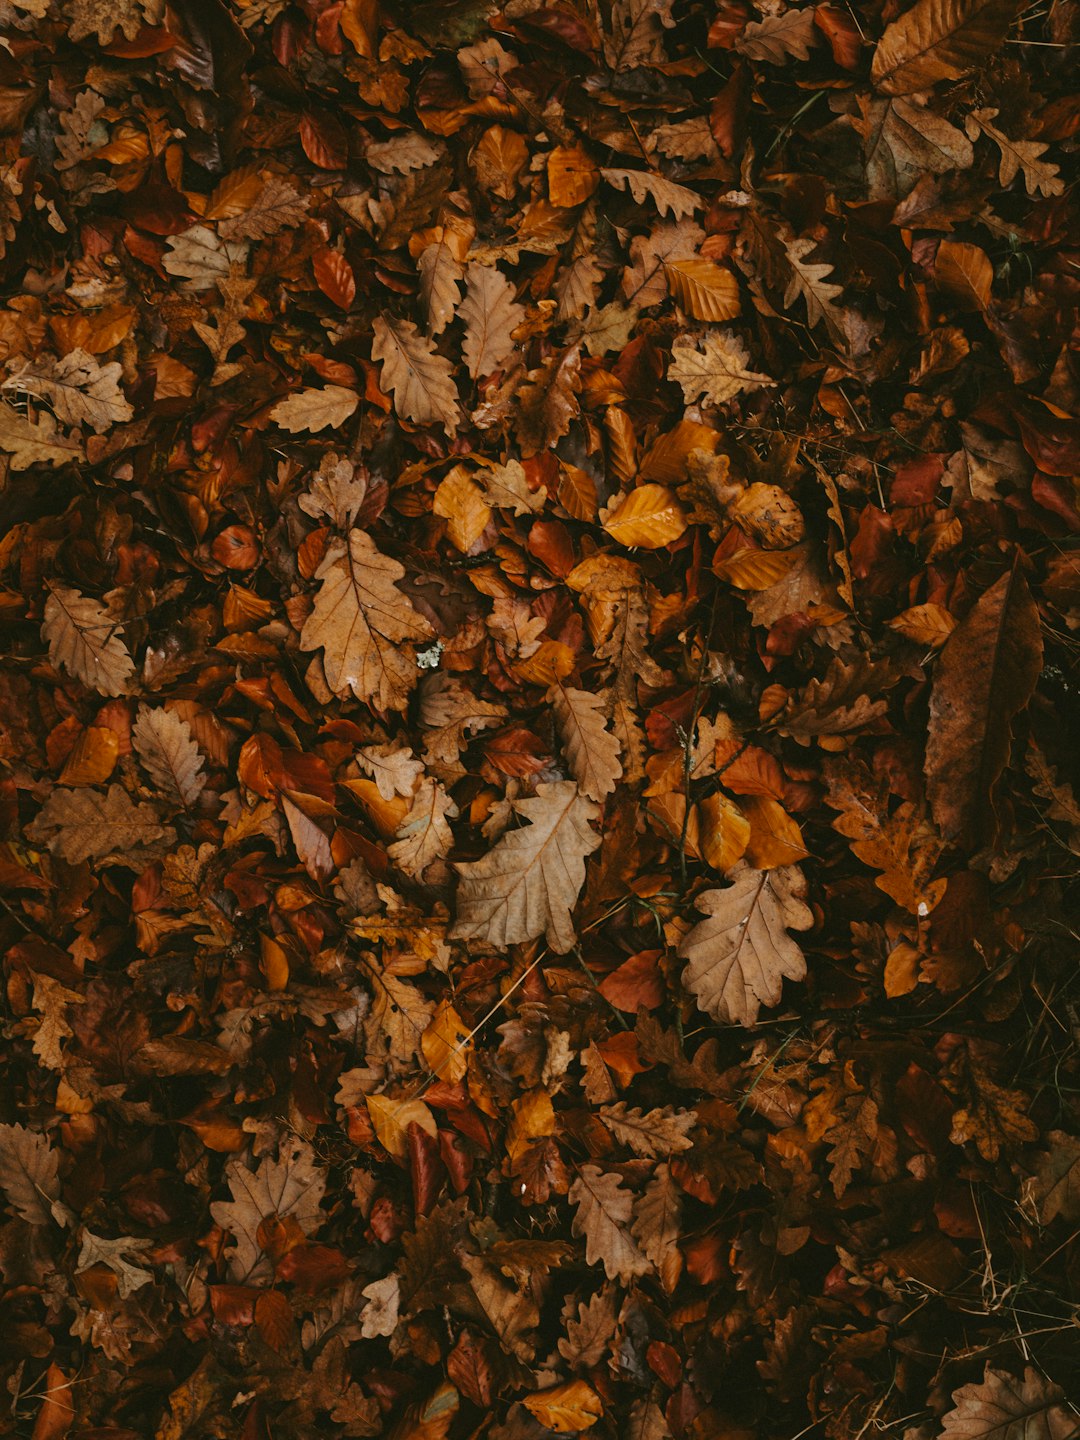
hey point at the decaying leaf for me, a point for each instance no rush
(360, 622)
(528, 883)
(739, 956)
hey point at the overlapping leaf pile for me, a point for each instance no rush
(539, 815)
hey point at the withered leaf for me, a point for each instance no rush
(739, 956)
(527, 885)
(359, 622)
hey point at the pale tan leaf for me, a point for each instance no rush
(592, 752)
(424, 836)
(658, 1224)
(380, 1315)
(603, 1215)
(490, 314)
(278, 206)
(668, 197)
(394, 768)
(440, 274)
(202, 257)
(807, 279)
(86, 825)
(421, 380)
(1040, 177)
(36, 442)
(82, 639)
(169, 753)
(507, 488)
(528, 884)
(939, 40)
(77, 388)
(1001, 1407)
(288, 1188)
(716, 370)
(315, 409)
(310, 840)
(96, 1250)
(360, 622)
(651, 1134)
(104, 17)
(636, 31)
(402, 153)
(779, 37)
(740, 955)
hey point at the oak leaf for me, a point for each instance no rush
(78, 389)
(29, 1175)
(716, 370)
(82, 638)
(603, 1215)
(740, 955)
(651, 1134)
(86, 825)
(528, 884)
(1002, 1407)
(315, 409)
(668, 197)
(289, 1188)
(169, 753)
(779, 37)
(592, 752)
(507, 488)
(490, 315)
(360, 622)
(36, 441)
(658, 1224)
(422, 380)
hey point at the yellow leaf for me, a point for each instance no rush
(901, 970)
(392, 1118)
(273, 962)
(703, 289)
(534, 1117)
(725, 832)
(446, 1043)
(460, 501)
(754, 569)
(927, 624)
(385, 815)
(92, 757)
(665, 459)
(550, 662)
(649, 516)
(775, 838)
(572, 176)
(567, 1409)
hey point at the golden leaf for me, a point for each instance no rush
(649, 516)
